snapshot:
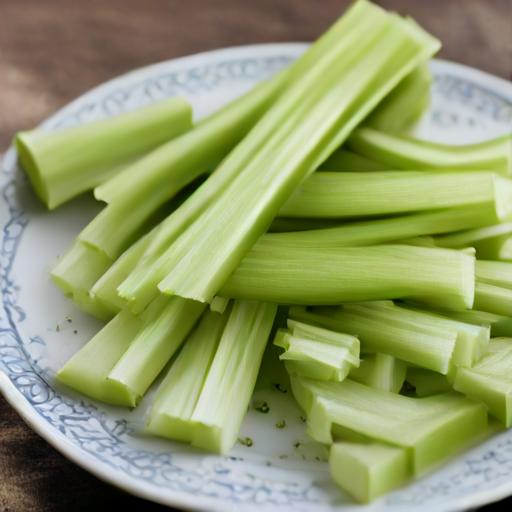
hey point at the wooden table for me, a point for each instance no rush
(53, 50)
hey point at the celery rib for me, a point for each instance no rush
(380, 371)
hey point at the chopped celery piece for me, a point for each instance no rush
(380, 371)
(368, 470)
(343, 160)
(430, 349)
(294, 275)
(167, 322)
(403, 152)
(219, 304)
(87, 371)
(427, 382)
(405, 104)
(490, 380)
(431, 428)
(345, 194)
(306, 233)
(228, 387)
(370, 57)
(498, 273)
(493, 299)
(179, 392)
(64, 163)
(317, 353)
(491, 242)
(75, 278)
(500, 325)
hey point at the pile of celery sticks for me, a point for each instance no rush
(387, 254)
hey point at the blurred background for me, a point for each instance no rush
(54, 50)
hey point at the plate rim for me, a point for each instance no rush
(129, 483)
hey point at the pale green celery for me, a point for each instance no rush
(493, 299)
(282, 224)
(166, 323)
(433, 350)
(317, 353)
(105, 287)
(360, 70)
(304, 232)
(228, 387)
(368, 470)
(177, 395)
(345, 194)
(158, 176)
(500, 325)
(344, 160)
(295, 275)
(498, 273)
(219, 304)
(419, 241)
(491, 242)
(64, 163)
(407, 153)
(405, 104)
(75, 278)
(431, 428)
(380, 371)
(471, 341)
(490, 380)
(142, 284)
(87, 371)
(427, 382)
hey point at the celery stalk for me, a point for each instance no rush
(76, 278)
(489, 380)
(291, 275)
(498, 273)
(371, 66)
(87, 371)
(491, 242)
(403, 152)
(317, 353)
(368, 470)
(179, 392)
(433, 350)
(228, 387)
(64, 163)
(166, 324)
(345, 194)
(282, 224)
(344, 160)
(427, 382)
(431, 429)
(371, 232)
(500, 325)
(493, 299)
(380, 371)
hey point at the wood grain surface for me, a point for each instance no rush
(53, 50)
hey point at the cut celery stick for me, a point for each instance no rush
(403, 152)
(431, 429)
(75, 278)
(491, 242)
(88, 369)
(317, 353)
(345, 194)
(433, 350)
(364, 73)
(344, 160)
(179, 392)
(371, 232)
(490, 380)
(493, 299)
(64, 163)
(427, 382)
(282, 224)
(166, 324)
(498, 273)
(228, 387)
(405, 104)
(292, 275)
(419, 241)
(368, 470)
(500, 325)
(219, 304)
(380, 371)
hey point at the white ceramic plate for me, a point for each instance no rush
(39, 329)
